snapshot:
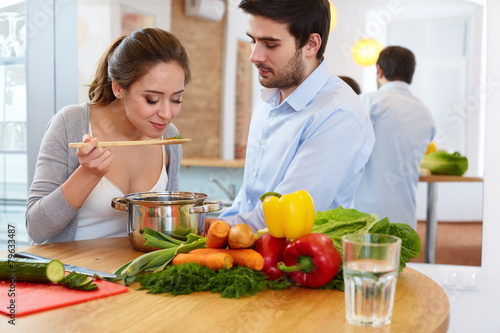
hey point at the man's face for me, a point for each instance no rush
(275, 55)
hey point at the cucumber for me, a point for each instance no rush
(31, 270)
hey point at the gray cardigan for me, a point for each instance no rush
(49, 217)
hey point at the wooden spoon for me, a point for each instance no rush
(132, 143)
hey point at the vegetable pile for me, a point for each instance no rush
(299, 248)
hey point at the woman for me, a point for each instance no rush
(136, 93)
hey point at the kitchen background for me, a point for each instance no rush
(447, 41)
(46, 58)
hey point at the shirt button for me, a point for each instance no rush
(273, 113)
(249, 202)
(262, 142)
(254, 173)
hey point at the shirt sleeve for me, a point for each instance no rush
(255, 218)
(47, 211)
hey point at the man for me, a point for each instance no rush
(308, 129)
(404, 128)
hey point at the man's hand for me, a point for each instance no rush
(208, 223)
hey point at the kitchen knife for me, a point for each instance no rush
(82, 270)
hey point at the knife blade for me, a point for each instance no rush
(82, 270)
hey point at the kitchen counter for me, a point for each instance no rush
(420, 304)
(213, 162)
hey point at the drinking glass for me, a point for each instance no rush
(370, 267)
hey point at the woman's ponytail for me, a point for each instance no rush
(100, 91)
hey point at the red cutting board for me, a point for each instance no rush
(36, 297)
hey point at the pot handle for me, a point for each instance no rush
(209, 206)
(119, 204)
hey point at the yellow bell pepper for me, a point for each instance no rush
(290, 215)
(431, 148)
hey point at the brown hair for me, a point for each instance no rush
(128, 59)
(397, 63)
(303, 17)
(352, 83)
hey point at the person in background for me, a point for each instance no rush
(352, 83)
(308, 130)
(136, 93)
(404, 127)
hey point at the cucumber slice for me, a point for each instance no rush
(73, 279)
(78, 281)
(31, 270)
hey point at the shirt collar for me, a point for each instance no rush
(395, 85)
(304, 93)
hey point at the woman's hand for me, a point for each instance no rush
(95, 159)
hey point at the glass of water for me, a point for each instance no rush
(370, 266)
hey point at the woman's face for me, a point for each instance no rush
(153, 101)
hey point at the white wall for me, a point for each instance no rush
(487, 314)
(477, 310)
(99, 24)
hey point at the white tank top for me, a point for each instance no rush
(96, 217)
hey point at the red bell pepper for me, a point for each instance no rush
(311, 260)
(271, 249)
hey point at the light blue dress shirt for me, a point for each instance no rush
(404, 127)
(318, 139)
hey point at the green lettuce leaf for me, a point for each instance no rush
(443, 163)
(339, 222)
(410, 241)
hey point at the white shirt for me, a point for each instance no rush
(403, 128)
(318, 139)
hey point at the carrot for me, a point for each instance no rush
(241, 257)
(217, 234)
(241, 236)
(210, 260)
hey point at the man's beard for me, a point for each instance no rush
(290, 75)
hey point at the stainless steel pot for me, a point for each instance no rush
(173, 213)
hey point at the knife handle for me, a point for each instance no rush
(29, 256)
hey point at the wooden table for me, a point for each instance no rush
(431, 219)
(420, 304)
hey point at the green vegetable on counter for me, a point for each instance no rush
(156, 261)
(236, 282)
(443, 163)
(338, 222)
(30, 270)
